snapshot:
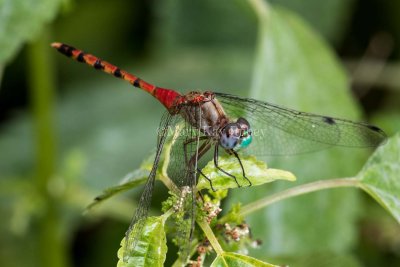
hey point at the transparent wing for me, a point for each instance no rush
(281, 131)
(188, 146)
(141, 212)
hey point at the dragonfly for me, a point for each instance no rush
(213, 123)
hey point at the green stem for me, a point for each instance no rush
(297, 191)
(169, 184)
(52, 251)
(210, 236)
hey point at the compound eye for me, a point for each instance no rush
(245, 133)
(230, 136)
(243, 123)
(236, 135)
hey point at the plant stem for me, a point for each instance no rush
(210, 236)
(169, 183)
(52, 251)
(297, 191)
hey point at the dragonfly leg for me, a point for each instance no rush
(191, 140)
(208, 179)
(219, 168)
(201, 151)
(241, 166)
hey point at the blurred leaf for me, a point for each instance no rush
(295, 68)
(233, 259)
(256, 171)
(330, 18)
(131, 180)
(184, 24)
(380, 176)
(151, 247)
(388, 119)
(22, 21)
(135, 178)
(318, 259)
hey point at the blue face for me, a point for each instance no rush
(236, 135)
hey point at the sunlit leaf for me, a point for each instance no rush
(150, 249)
(380, 176)
(228, 259)
(256, 171)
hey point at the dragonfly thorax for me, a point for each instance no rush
(236, 135)
(204, 112)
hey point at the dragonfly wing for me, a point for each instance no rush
(189, 145)
(141, 212)
(281, 131)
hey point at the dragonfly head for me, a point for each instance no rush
(236, 135)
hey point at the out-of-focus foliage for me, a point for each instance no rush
(22, 21)
(329, 17)
(233, 259)
(105, 128)
(380, 176)
(295, 68)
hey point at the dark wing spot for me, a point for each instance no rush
(97, 65)
(117, 73)
(80, 57)
(374, 128)
(329, 120)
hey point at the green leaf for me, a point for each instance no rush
(318, 259)
(295, 68)
(380, 176)
(22, 21)
(130, 181)
(228, 259)
(150, 248)
(325, 21)
(256, 171)
(134, 179)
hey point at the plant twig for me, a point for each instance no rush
(297, 191)
(210, 236)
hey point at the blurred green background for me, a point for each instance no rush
(67, 132)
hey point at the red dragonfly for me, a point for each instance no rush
(216, 121)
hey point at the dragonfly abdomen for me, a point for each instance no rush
(167, 97)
